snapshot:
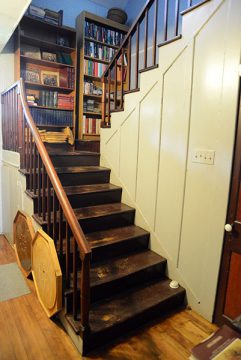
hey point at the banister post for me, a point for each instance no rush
(85, 291)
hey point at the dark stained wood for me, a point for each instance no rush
(137, 56)
(177, 13)
(165, 19)
(232, 240)
(154, 33)
(115, 84)
(129, 63)
(146, 37)
(122, 78)
(108, 99)
(232, 307)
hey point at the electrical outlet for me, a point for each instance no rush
(203, 156)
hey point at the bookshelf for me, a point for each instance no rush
(45, 57)
(97, 40)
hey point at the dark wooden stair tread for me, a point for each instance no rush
(120, 267)
(82, 189)
(110, 236)
(72, 153)
(90, 212)
(74, 169)
(126, 305)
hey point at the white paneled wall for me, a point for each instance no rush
(188, 103)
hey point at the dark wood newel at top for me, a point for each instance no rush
(20, 134)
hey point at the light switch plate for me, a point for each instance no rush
(203, 156)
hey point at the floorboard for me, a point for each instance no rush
(27, 333)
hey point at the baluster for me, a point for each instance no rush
(109, 97)
(129, 63)
(10, 109)
(165, 19)
(103, 101)
(34, 168)
(60, 232)
(43, 193)
(115, 84)
(31, 161)
(85, 291)
(146, 38)
(176, 17)
(24, 134)
(39, 185)
(122, 77)
(48, 205)
(3, 118)
(189, 3)
(16, 117)
(137, 54)
(27, 147)
(154, 33)
(7, 122)
(67, 256)
(75, 279)
(55, 206)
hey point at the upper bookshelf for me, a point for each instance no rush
(97, 41)
(45, 57)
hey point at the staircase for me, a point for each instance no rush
(112, 281)
(128, 285)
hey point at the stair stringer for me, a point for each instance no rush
(167, 240)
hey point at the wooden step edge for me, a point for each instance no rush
(72, 170)
(96, 191)
(83, 153)
(96, 216)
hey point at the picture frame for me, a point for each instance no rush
(50, 78)
(32, 75)
(49, 56)
(31, 51)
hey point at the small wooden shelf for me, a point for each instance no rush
(53, 64)
(48, 108)
(92, 135)
(101, 43)
(90, 113)
(93, 96)
(33, 85)
(31, 19)
(96, 60)
(45, 44)
(54, 126)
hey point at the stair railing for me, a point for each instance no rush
(122, 74)
(20, 134)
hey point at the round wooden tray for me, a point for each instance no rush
(23, 234)
(47, 273)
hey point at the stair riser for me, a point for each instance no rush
(72, 160)
(102, 222)
(78, 200)
(120, 248)
(111, 288)
(68, 179)
(99, 339)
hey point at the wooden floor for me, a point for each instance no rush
(27, 333)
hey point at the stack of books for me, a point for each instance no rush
(53, 17)
(53, 136)
(67, 77)
(103, 34)
(31, 100)
(65, 102)
(224, 344)
(94, 68)
(91, 89)
(99, 51)
(91, 126)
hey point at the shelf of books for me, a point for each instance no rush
(45, 58)
(97, 41)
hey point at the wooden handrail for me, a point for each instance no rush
(62, 197)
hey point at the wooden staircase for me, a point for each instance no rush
(128, 285)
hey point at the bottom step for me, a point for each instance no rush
(116, 315)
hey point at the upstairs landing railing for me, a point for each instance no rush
(21, 135)
(138, 52)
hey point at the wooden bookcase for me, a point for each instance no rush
(97, 40)
(45, 57)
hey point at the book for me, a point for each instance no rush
(224, 344)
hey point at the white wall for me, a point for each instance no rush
(188, 103)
